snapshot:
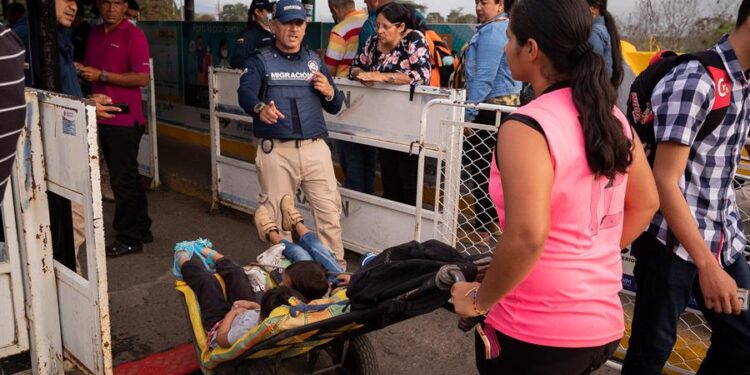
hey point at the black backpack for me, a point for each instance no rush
(640, 114)
(404, 268)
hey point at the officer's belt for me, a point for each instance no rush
(267, 144)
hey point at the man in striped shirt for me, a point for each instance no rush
(12, 102)
(358, 161)
(344, 38)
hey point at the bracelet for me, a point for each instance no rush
(474, 291)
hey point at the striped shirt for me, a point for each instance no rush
(681, 101)
(12, 101)
(343, 43)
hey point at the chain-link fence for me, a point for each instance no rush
(466, 218)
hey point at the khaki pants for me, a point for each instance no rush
(79, 231)
(287, 168)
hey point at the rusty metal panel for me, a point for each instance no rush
(72, 160)
(30, 204)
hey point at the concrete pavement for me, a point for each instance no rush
(147, 313)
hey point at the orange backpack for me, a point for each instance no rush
(441, 73)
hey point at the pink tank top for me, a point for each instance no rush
(570, 299)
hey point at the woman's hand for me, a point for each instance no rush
(370, 77)
(463, 299)
(363, 77)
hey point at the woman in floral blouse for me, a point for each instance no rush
(397, 54)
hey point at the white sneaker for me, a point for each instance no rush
(272, 256)
(257, 279)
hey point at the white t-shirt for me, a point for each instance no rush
(242, 324)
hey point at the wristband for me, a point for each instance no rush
(474, 291)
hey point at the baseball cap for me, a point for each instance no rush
(289, 10)
(261, 4)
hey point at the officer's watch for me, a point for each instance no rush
(259, 108)
(103, 76)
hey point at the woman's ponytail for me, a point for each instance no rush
(607, 149)
(561, 29)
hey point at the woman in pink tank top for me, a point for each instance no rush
(572, 187)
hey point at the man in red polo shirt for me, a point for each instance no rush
(117, 64)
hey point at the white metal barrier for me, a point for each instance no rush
(67, 313)
(395, 125)
(14, 335)
(454, 217)
(148, 152)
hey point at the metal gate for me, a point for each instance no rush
(383, 116)
(148, 152)
(67, 310)
(455, 212)
(14, 335)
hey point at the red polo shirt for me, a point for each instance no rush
(122, 50)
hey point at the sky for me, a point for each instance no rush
(620, 8)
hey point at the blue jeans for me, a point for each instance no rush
(310, 248)
(665, 283)
(359, 163)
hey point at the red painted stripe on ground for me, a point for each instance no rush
(176, 361)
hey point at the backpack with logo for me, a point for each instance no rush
(441, 68)
(641, 115)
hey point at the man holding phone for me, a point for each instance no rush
(117, 65)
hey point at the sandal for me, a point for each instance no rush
(179, 254)
(196, 248)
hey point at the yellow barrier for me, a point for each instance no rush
(637, 60)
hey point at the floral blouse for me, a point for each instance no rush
(411, 56)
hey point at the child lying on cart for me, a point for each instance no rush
(229, 319)
(308, 246)
(226, 319)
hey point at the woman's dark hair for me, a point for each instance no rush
(561, 29)
(309, 278)
(614, 36)
(508, 5)
(400, 13)
(276, 297)
(743, 13)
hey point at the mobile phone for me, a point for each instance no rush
(742, 295)
(124, 107)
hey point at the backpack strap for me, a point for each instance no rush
(714, 64)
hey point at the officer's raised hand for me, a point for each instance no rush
(270, 114)
(320, 82)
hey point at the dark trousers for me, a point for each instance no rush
(665, 283)
(208, 289)
(478, 149)
(120, 146)
(359, 163)
(398, 173)
(518, 357)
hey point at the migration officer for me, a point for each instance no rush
(256, 35)
(285, 88)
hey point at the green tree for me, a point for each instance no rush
(435, 17)
(205, 17)
(233, 13)
(457, 15)
(160, 10)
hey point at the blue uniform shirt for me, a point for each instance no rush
(251, 39)
(295, 98)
